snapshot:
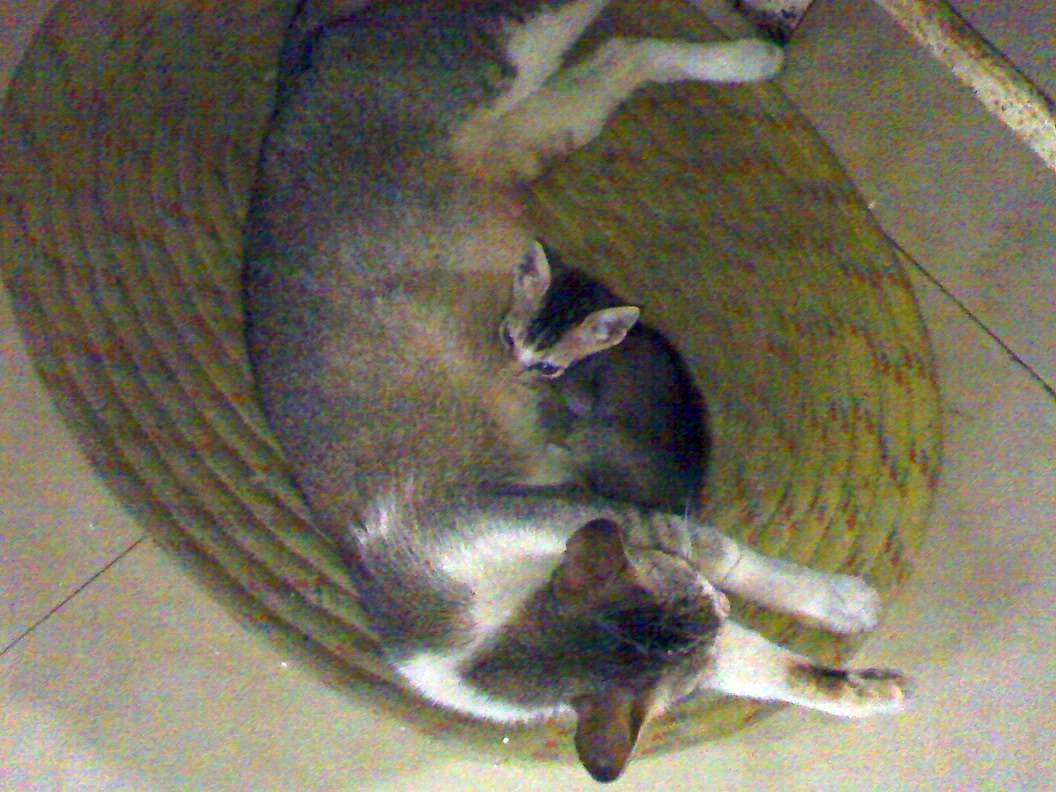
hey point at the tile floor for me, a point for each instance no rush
(117, 672)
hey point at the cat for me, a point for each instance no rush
(382, 229)
(615, 392)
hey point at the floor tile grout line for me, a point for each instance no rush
(1049, 389)
(72, 595)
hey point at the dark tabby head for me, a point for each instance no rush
(620, 633)
(558, 316)
(644, 623)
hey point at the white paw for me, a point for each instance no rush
(848, 605)
(745, 60)
(757, 59)
(876, 691)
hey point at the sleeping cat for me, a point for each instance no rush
(381, 233)
(614, 392)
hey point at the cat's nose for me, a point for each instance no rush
(513, 370)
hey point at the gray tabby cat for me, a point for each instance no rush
(614, 392)
(380, 241)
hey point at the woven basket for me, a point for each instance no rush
(129, 139)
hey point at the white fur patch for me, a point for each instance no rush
(537, 46)
(746, 60)
(435, 675)
(750, 666)
(502, 568)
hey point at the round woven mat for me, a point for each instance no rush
(129, 139)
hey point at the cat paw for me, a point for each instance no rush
(758, 59)
(744, 60)
(875, 691)
(849, 605)
(851, 693)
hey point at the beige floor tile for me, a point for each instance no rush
(58, 525)
(144, 682)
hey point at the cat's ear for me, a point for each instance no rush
(607, 729)
(603, 329)
(531, 278)
(594, 555)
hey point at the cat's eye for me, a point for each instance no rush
(506, 336)
(546, 369)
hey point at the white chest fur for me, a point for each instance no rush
(503, 569)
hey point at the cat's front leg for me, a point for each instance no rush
(834, 602)
(746, 664)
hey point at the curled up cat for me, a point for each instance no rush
(382, 233)
(614, 392)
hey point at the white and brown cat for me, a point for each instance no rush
(381, 236)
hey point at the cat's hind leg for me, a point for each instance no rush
(748, 665)
(514, 140)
